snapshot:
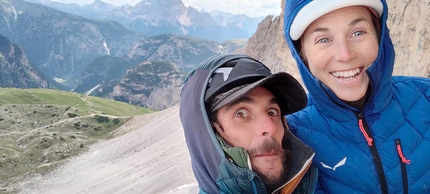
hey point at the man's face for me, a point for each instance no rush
(254, 123)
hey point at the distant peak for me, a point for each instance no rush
(169, 3)
(98, 2)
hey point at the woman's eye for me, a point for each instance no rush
(273, 112)
(242, 113)
(358, 33)
(323, 40)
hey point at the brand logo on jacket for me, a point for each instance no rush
(341, 163)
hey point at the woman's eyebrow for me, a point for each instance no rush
(356, 21)
(324, 29)
(320, 29)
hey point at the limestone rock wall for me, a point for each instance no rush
(408, 22)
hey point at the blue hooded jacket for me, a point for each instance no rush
(396, 117)
(215, 172)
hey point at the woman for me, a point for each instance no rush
(369, 129)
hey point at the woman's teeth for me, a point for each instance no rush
(346, 74)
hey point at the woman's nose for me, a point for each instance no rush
(344, 51)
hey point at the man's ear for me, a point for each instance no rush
(217, 127)
(284, 122)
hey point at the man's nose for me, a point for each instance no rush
(266, 126)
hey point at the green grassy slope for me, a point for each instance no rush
(42, 128)
(85, 104)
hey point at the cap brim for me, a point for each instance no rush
(284, 87)
(317, 8)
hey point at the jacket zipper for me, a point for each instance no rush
(403, 162)
(376, 159)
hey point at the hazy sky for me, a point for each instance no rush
(248, 7)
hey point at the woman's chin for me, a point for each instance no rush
(351, 95)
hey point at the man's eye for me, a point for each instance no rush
(273, 112)
(242, 113)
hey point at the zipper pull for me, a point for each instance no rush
(400, 152)
(360, 124)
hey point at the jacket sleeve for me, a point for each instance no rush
(292, 123)
(427, 90)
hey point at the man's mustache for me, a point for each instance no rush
(268, 146)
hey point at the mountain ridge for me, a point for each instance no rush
(60, 44)
(16, 71)
(156, 17)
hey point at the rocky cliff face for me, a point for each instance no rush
(409, 28)
(409, 22)
(268, 45)
(185, 51)
(15, 69)
(152, 84)
(152, 73)
(61, 45)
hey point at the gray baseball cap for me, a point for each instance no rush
(237, 78)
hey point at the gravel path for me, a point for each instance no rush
(149, 155)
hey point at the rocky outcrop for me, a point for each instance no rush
(16, 71)
(184, 51)
(409, 22)
(151, 74)
(59, 44)
(154, 84)
(409, 28)
(268, 45)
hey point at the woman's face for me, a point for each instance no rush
(338, 47)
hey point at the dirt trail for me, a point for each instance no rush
(148, 155)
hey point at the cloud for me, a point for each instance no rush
(248, 7)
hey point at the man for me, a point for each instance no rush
(232, 110)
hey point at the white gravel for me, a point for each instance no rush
(149, 155)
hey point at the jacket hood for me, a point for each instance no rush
(379, 72)
(214, 172)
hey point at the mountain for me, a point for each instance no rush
(149, 153)
(59, 44)
(103, 71)
(16, 71)
(98, 6)
(241, 21)
(153, 84)
(184, 51)
(156, 17)
(151, 74)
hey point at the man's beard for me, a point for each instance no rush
(272, 182)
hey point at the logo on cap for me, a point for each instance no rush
(225, 71)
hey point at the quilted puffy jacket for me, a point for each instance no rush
(396, 117)
(215, 173)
